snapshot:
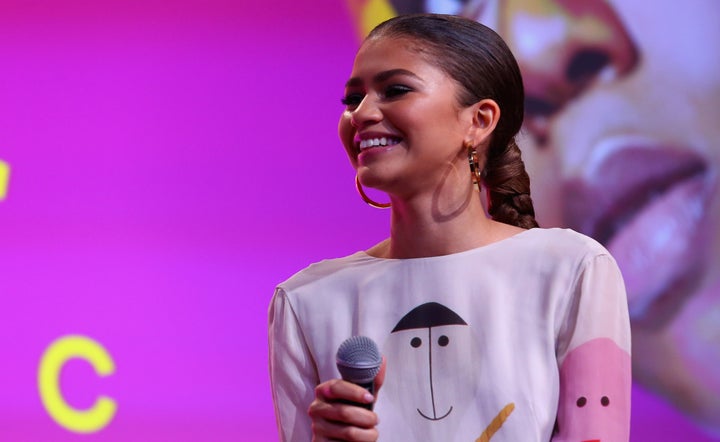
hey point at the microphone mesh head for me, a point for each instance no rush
(358, 359)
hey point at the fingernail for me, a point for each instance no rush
(368, 398)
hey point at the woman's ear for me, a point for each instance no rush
(486, 114)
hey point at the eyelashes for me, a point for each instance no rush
(396, 90)
(389, 93)
(352, 99)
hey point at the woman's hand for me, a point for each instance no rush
(332, 419)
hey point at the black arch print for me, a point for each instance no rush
(431, 314)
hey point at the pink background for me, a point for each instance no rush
(172, 162)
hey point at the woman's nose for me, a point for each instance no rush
(563, 48)
(366, 113)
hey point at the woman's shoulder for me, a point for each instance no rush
(562, 242)
(326, 271)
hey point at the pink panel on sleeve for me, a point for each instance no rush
(595, 384)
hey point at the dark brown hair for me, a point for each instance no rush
(478, 59)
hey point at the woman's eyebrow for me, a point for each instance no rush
(381, 76)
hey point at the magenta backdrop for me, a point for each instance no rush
(170, 162)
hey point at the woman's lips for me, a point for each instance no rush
(658, 248)
(647, 205)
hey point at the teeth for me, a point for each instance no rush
(384, 141)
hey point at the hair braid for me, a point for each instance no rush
(509, 186)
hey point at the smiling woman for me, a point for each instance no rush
(623, 146)
(490, 326)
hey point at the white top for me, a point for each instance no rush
(495, 342)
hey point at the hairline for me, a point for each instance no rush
(429, 51)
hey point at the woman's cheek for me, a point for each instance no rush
(346, 134)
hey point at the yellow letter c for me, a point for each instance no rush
(51, 363)
(4, 178)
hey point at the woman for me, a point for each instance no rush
(490, 327)
(627, 151)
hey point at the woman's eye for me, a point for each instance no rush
(396, 90)
(352, 100)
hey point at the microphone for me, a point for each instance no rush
(358, 361)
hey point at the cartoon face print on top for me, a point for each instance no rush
(594, 401)
(433, 366)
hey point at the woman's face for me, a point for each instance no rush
(402, 126)
(623, 105)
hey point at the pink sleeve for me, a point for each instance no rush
(594, 358)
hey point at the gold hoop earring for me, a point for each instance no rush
(367, 199)
(474, 166)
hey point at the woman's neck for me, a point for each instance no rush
(432, 226)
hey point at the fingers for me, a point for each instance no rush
(339, 390)
(340, 413)
(324, 429)
(334, 419)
